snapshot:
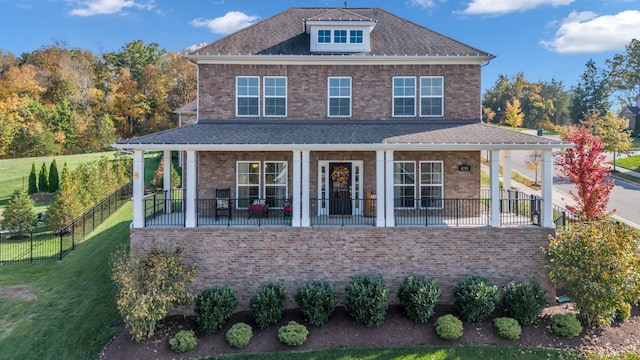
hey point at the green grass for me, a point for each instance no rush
(629, 162)
(15, 172)
(412, 353)
(70, 310)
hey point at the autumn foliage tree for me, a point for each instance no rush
(513, 113)
(585, 166)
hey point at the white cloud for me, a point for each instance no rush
(102, 7)
(501, 7)
(230, 22)
(586, 32)
(427, 4)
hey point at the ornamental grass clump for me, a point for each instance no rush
(418, 297)
(184, 341)
(508, 328)
(214, 306)
(449, 327)
(293, 334)
(565, 325)
(524, 301)
(366, 299)
(475, 298)
(316, 300)
(266, 304)
(239, 335)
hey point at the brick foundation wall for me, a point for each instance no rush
(245, 258)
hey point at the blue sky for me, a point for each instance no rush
(544, 39)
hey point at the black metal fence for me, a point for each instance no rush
(54, 245)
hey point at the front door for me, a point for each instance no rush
(340, 188)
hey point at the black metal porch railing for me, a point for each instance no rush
(516, 209)
(563, 218)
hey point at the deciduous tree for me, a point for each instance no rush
(614, 134)
(513, 114)
(534, 162)
(585, 166)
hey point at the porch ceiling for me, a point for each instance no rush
(232, 135)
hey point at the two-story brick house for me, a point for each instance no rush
(350, 142)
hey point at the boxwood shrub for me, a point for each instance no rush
(508, 328)
(239, 335)
(316, 300)
(214, 306)
(524, 301)
(366, 299)
(184, 341)
(266, 304)
(565, 325)
(449, 327)
(293, 334)
(418, 297)
(475, 298)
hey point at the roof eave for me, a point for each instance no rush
(325, 59)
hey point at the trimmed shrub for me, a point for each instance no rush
(239, 335)
(54, 178)
(184, 341)
(33, 180)
(266, 304)
(366, 299)
(317, 300)
(214, 306)
(419, 297)
(508, 328)
(293, 334)
(475, 298)
(623, 312)
(449, 327)
(524, 301)
(43, 178)
(565, 325)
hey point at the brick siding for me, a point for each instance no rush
(245, 258)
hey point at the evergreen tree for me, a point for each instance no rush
(18, 215)
(54, 178)
(33, 181)
(43, 182)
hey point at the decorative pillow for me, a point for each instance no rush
(259, 202)
(222, 203)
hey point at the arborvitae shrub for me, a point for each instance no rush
(43, 178)
(266, 304)
(475, 298)
(33, 180)
(184, 341)
(524, 301)
(419, 297)
(508, 328)
(316, 300)
(293, 334)
(214, 306)
(449, 327)
(19, 216)
(54, 178)
(239, 335)
(366, 299)
(565, 325)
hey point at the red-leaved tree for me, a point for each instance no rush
(585, 166)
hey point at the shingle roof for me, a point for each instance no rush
(335, 132)
(191, 107)
(284, 34)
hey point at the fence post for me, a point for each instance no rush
(61, 231)
(564, 219)
(73, 236)
(31, 250)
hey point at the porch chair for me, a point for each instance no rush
(287, 208)
(223, 202)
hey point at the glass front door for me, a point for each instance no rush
(340, 187)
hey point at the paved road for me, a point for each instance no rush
(625, 196)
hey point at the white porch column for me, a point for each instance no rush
(494, 174)
(506, 170)
(138, 189)
(166, 183)
(306, 220)
(297, 188)
(190, 201)
(380, 189)
(388, 193)
(547, 189)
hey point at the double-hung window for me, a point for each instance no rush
(247, 95)
(431, 96)
(275, 182)
(404, 184)
(340, 36)
(339, 97)
(261, 180)
(248, 182)
(404, 96)
(431, 184)
(275, 96)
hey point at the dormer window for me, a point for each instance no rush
(324, 36)
(355, 36)
(339, 31)
(340, 36)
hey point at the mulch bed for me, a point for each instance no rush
(342, 331)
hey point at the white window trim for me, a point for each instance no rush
(263, 179)
(393, 90)
(239, 185)
(419, 170)
(431, 96)
(329, 97)
(415, 184)
(264, 96)
(238, 96)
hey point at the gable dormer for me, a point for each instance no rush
(339, 31)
